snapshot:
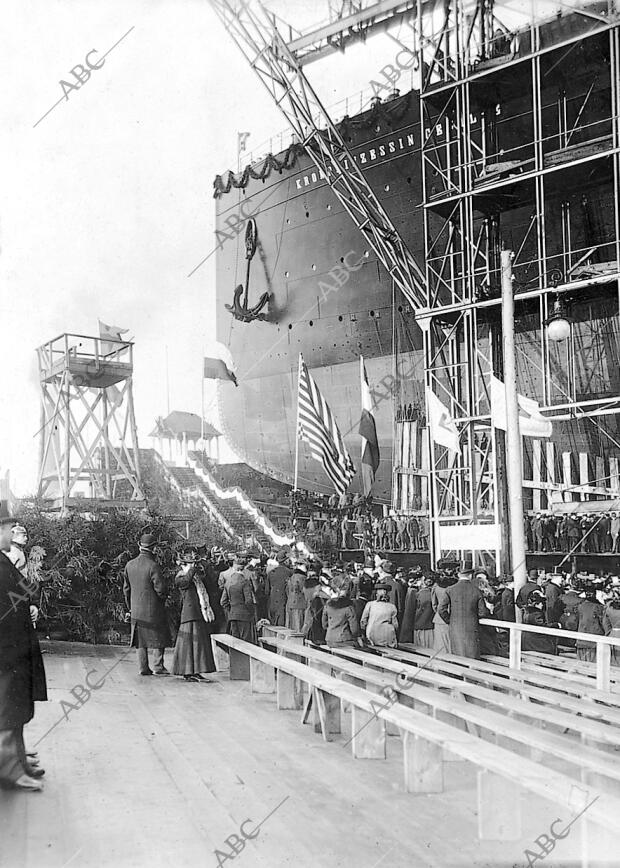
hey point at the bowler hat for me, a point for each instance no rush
(147, 541)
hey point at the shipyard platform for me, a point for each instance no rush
(161, 772)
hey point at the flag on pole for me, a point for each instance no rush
(318, 428)
(220, 366)
(368, 432)
(241, 141)
(110, 333)
(442, 426)
(532, 423)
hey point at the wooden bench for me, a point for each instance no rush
(482, 688)
(523, 737)
(546, 687)
(603, 645)
(424, 741)
(577, 669)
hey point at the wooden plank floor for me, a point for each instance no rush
(158, 772)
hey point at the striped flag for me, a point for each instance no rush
(317, 426)
(368, 432)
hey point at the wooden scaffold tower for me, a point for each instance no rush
(88, 438)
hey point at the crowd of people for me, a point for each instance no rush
(572, 532)
(390, 533)
(327, 601)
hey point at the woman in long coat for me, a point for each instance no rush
(423, 626)
(380, 619)
(295, 600)
(590, 614)
(534, 614)
(192, 650)
(441, 630)
(611, 623)
(339, 618)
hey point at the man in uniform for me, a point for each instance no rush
(145, 594)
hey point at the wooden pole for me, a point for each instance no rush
(514, 459)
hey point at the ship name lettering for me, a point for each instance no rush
(363, 157)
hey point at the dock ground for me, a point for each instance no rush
(159, 772)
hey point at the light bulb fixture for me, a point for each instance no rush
(558, 324)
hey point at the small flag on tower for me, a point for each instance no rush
(368, 432)
(318, 428)
(108, 333)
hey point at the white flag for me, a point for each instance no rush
(531, 421)
(442, 425)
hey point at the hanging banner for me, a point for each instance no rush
(469, 537)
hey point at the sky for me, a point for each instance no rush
(107, 202)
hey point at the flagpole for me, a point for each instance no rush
(514, 458)
(202, 406)
(297, 428)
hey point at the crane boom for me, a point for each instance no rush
(256, 34)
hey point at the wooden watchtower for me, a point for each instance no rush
(88, 438)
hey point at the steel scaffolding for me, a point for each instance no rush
(521, 143)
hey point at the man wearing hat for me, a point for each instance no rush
(276, 587)
(526, 589)
(22, 675)
(145, 594)
(462, 607)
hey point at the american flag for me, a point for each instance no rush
(318, 428)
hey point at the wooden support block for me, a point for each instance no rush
(368, 738)
(262, 677)
(603, 666)
(499, 808)
(350, 679)
(286, 695)
(328, 708)
(239, 666)
(390, 728)
(220, 656)
(423, 765)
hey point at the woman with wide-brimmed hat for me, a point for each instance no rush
(380, 618)
(192, 651)
(339, 618)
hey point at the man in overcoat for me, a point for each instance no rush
(276, 587)
(462, 607)
(240, 605)
(22, 675)
(145, 594)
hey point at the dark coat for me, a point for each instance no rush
(340, 622)
(591, 616)
(209, 575)
(507, 605)
(238, 598)
(22, 674)
(295, 592)
(190, 605)
(524, 592)
(145, 592)
(408, 619)
(461, 608)
(313, 628)
(424, 610)
(555, 605)
(536, 641)
(398, 595)
(276, 587)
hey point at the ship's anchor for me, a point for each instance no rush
(240, 310)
